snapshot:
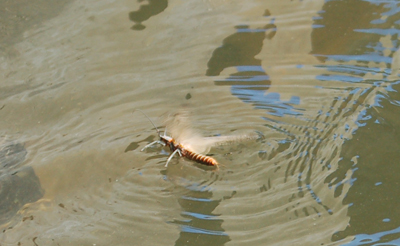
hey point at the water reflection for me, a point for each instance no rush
(339, 142)
(365, 35)
(356, 36)
(251, 82)
(154, 7)
(11, 156)
(200, 225)
(18, 185)
(373, 205)
(240, 49)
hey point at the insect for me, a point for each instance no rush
(190, 144)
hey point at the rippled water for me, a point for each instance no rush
(318, 79)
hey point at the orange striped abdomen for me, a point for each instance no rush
(206, 160)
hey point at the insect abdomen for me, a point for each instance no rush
(206, 160)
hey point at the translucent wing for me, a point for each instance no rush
(226, 140)
(179, 127)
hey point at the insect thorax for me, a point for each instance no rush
(169, 141)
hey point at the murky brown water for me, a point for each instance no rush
(318, 79)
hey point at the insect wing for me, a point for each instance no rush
(226, 140)
(179, 126)
(196, 144)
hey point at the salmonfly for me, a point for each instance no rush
(191, 145)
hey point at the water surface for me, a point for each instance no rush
(317, 79)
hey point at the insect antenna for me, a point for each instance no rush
(158, 131)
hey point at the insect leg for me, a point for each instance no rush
(170, 157)
(152, 143)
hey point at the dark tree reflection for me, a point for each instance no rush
(146, 11)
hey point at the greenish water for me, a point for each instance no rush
(317, 79)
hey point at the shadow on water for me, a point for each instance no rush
(154, 7)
